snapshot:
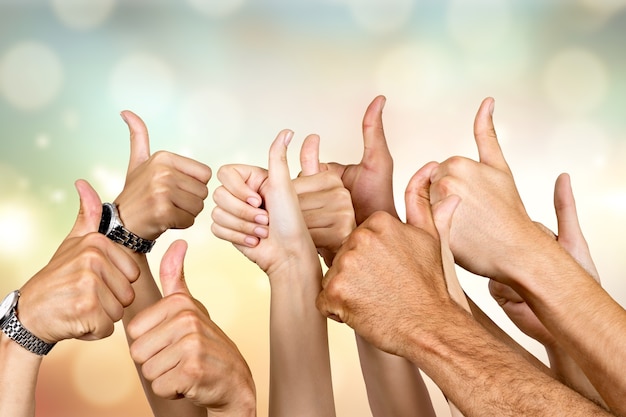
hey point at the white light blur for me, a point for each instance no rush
(479, 24)
(31, 75)
(83, 14)
(143, 83)
(18, 222)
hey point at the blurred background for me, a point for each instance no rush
(215, 80)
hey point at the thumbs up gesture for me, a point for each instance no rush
(163, 190)
(186, 355)
(491, 218)
(84, 288)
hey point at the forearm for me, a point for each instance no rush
(589, 325)
(394, 385)
(18, 379)
(300, 376)
(455, 348)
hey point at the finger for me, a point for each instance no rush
(239, 239)
(325, 309)
(243, 181)
(139, 140)
(310, 155)
(502, 293)
(239, 208)
(442, 214)
(417, 200)
(237, 225)
(489, 151)
(570, 235)
(374, 141)
(191, 167)
(89, 212)
(171, 272)
(278, 168)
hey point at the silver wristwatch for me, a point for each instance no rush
(111, 226)
(11, 326)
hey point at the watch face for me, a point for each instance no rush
(105, 220)
(7, 305)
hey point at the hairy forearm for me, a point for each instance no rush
(18, 379)
(483, 376)
(589, 325)
(300, 377)
(394, 385)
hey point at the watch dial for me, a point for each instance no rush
(7, 305)
(105, 220)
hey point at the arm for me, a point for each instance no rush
(162, 191)
(388, 378)
(300, 379)
(400, 304)
(186, 355)
(79, 294)
(493, 236)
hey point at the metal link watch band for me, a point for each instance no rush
(15, 331)
(125, 237)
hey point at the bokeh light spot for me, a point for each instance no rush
(575, 81)
(143, 83)
(17, 222)
(480, 24)
(83, 14)
(31, 75)
(381, 16)
(217, 8)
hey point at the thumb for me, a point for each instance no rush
(310, 155)
(570, 235)
(278, 169)
(89, 212)
(417, 199)
(171, 272)
(375, 149)
(139, 140)
(489, 151)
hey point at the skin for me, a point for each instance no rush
(300, 379)
(79, 294)
(390, 302)
(162, 191)
(186, 355)
(493, 236)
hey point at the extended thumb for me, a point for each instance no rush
(171, 273)
(89, 212)
(139, 139)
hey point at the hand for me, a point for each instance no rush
(287, 237)
(84, 288)
(162, 191)
(390, 299)
(491, 219)
(184, 353)
(572, 240)
(370, 181)
(325, 203)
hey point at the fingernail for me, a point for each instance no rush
(253, 201)
(261, 232)
(123, 117)
(492, 107)
(251, 241)
(261, 219)
(288, 137)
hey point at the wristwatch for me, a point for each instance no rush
(11, 326)
(111, 226)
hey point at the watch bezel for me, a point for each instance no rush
(9, 303)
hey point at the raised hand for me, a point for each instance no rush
(84, 288)
(491, 219)
(370, 182)
(387, 299)
(163, 190)
(184, 353)
(325, 203)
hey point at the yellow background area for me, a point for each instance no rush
(215, 80)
